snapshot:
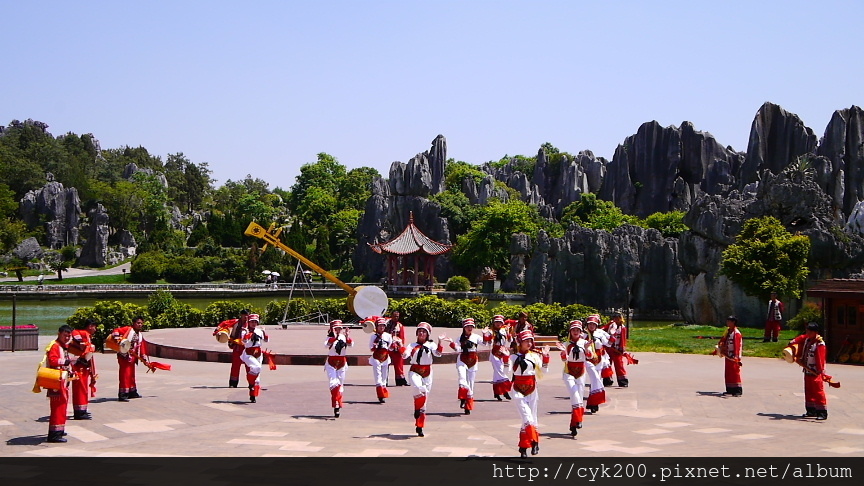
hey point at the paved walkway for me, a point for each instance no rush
(72, 272)
(671, 409)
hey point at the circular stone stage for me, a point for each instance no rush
(296, 345)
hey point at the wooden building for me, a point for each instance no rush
(843, 315)
(411, 257)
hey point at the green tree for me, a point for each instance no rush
(487, 242)
(188, 183)
(594, 213)
(671, 224)
(766, 257)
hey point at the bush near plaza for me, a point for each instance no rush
(222, 310)
(110, 315)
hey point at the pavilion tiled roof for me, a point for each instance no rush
(411, 240)
(836, 286)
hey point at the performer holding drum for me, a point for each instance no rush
(598, 364)
(81, 345)
(57, 358)
(380, 343)
(127, 342)
(811, 353)
(336, 365)
(231, 332)
(527, 363)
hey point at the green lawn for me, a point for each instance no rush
(701, 340)
(95, 279)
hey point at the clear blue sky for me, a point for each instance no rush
(261, 87)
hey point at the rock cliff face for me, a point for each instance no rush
(813, 188)
(95, 252)
(387, 212)
(59, 207)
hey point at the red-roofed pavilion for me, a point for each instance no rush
(413, 252)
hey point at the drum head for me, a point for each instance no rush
(789, 354)
(125, 346)
(368, 301)
(222, 336)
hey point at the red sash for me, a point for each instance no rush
(498, 351)
(575, 369)
(422, 370)
(255, 352)
(380, 354)
(470, 359)
(337, 362)
(525, 384)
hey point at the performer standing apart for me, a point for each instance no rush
(419, 356)
(252, 354)
(597, 339)
(574, 355)
(774, 320)
(336, 365)
(811, 356)
(84, 368)
(466, 364)
(526, 364)
(380, 343)
(126, 361)
(57, 357)
(397, 330)
(238, 330)
(499, 338)
(731, 348)
(617, 346)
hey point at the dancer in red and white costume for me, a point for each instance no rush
(252, 340)
(617, 347)
(575, 355)
(380, 343)
(812, 354)
(84, 368)
(731, 348)
(598, 339)
(397, 330)
(499, 338)
(526, 365)
(336, 365)
(126, 361)
(57, 357)
(466, 364)
(419, 356)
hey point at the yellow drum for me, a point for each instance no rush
(51, 378)
(790, 352)
(112, 344)
(223, 335)
(719, 353)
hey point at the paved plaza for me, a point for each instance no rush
(673, 408)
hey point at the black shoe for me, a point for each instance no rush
(766, 340)
(498, 397)
(467, 412)
(535, 448)
(134, 395)
(123, 397)
(595, 409)
(461, 403)
(578, 425)
(419, 431)
(82, 416)
(523, 452)
(507, 396)
(573, 431)
(252, 399)
(232, 383)
(380, 400)
(56, 438)
(336, 412)
(623, 382)
(607, 382)
(821, 417)
(773, 340)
